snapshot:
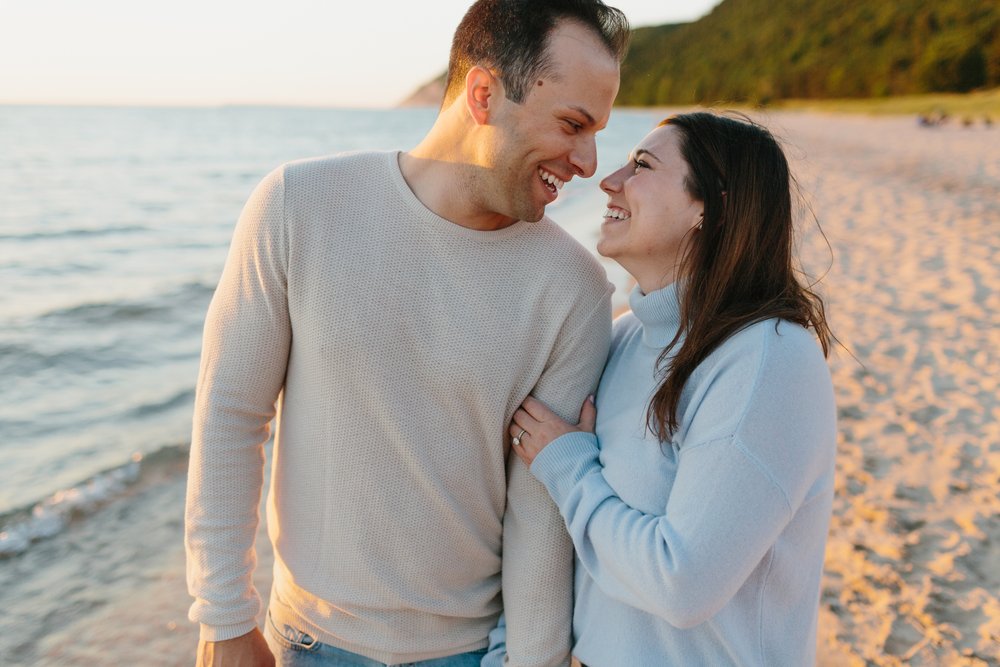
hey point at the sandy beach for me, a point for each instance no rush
(910, 268)
(913, 561)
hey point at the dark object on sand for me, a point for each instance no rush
(932, 119)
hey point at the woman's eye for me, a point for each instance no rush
(639, 164)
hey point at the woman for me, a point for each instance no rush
(699, 505)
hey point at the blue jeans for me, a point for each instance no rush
(293, 648)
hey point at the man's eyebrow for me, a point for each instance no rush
(583, 112)
(639, 152)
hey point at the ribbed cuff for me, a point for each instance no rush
(565, 461)
(220, 633)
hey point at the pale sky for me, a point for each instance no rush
(364, 53)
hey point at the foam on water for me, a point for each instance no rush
(52, 515)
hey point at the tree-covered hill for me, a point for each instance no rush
(763, 50)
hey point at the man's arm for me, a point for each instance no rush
(537, 553)
(244, 358)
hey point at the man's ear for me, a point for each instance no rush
(482, 90)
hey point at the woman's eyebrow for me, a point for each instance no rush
(639, 152)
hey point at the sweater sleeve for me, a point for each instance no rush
(730, 500)
(244, 357)
(537, 572)
(683, 566)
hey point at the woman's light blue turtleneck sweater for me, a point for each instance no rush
(708, 549)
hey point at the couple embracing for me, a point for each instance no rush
(425, 338)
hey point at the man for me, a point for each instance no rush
(399, 307)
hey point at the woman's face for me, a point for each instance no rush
(649, 210)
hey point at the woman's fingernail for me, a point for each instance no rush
(591, 398)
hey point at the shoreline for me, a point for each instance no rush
(975, 102)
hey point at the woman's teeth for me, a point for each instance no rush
(617, 214)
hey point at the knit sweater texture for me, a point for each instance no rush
(707, 549)
(392, 346)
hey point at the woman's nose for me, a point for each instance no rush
(613, 181)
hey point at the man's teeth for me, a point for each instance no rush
(551, 179)
(617, 214)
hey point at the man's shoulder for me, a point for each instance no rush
(562, 251)
(565, 263)
(347, 163)
(312, 184)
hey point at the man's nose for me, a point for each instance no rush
(584, 157)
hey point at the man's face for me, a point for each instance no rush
(549, 138)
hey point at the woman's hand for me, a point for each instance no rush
(535, 426)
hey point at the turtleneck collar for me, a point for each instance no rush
(659, 312)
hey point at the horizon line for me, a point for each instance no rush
(204, 105)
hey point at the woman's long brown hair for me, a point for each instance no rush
(737, 269)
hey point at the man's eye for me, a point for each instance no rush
(574, 126)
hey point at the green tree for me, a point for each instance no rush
(952, 64)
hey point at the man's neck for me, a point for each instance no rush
(443, 173)
(443, 187)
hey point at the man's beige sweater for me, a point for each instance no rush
(393, 346)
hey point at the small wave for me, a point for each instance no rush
(180, 399)
(104, 312)
(101, 313)
(19, 360)
(74, 233)
(21, 528)
(53, 514)
(18, 429)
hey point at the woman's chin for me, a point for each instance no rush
(605, 249)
